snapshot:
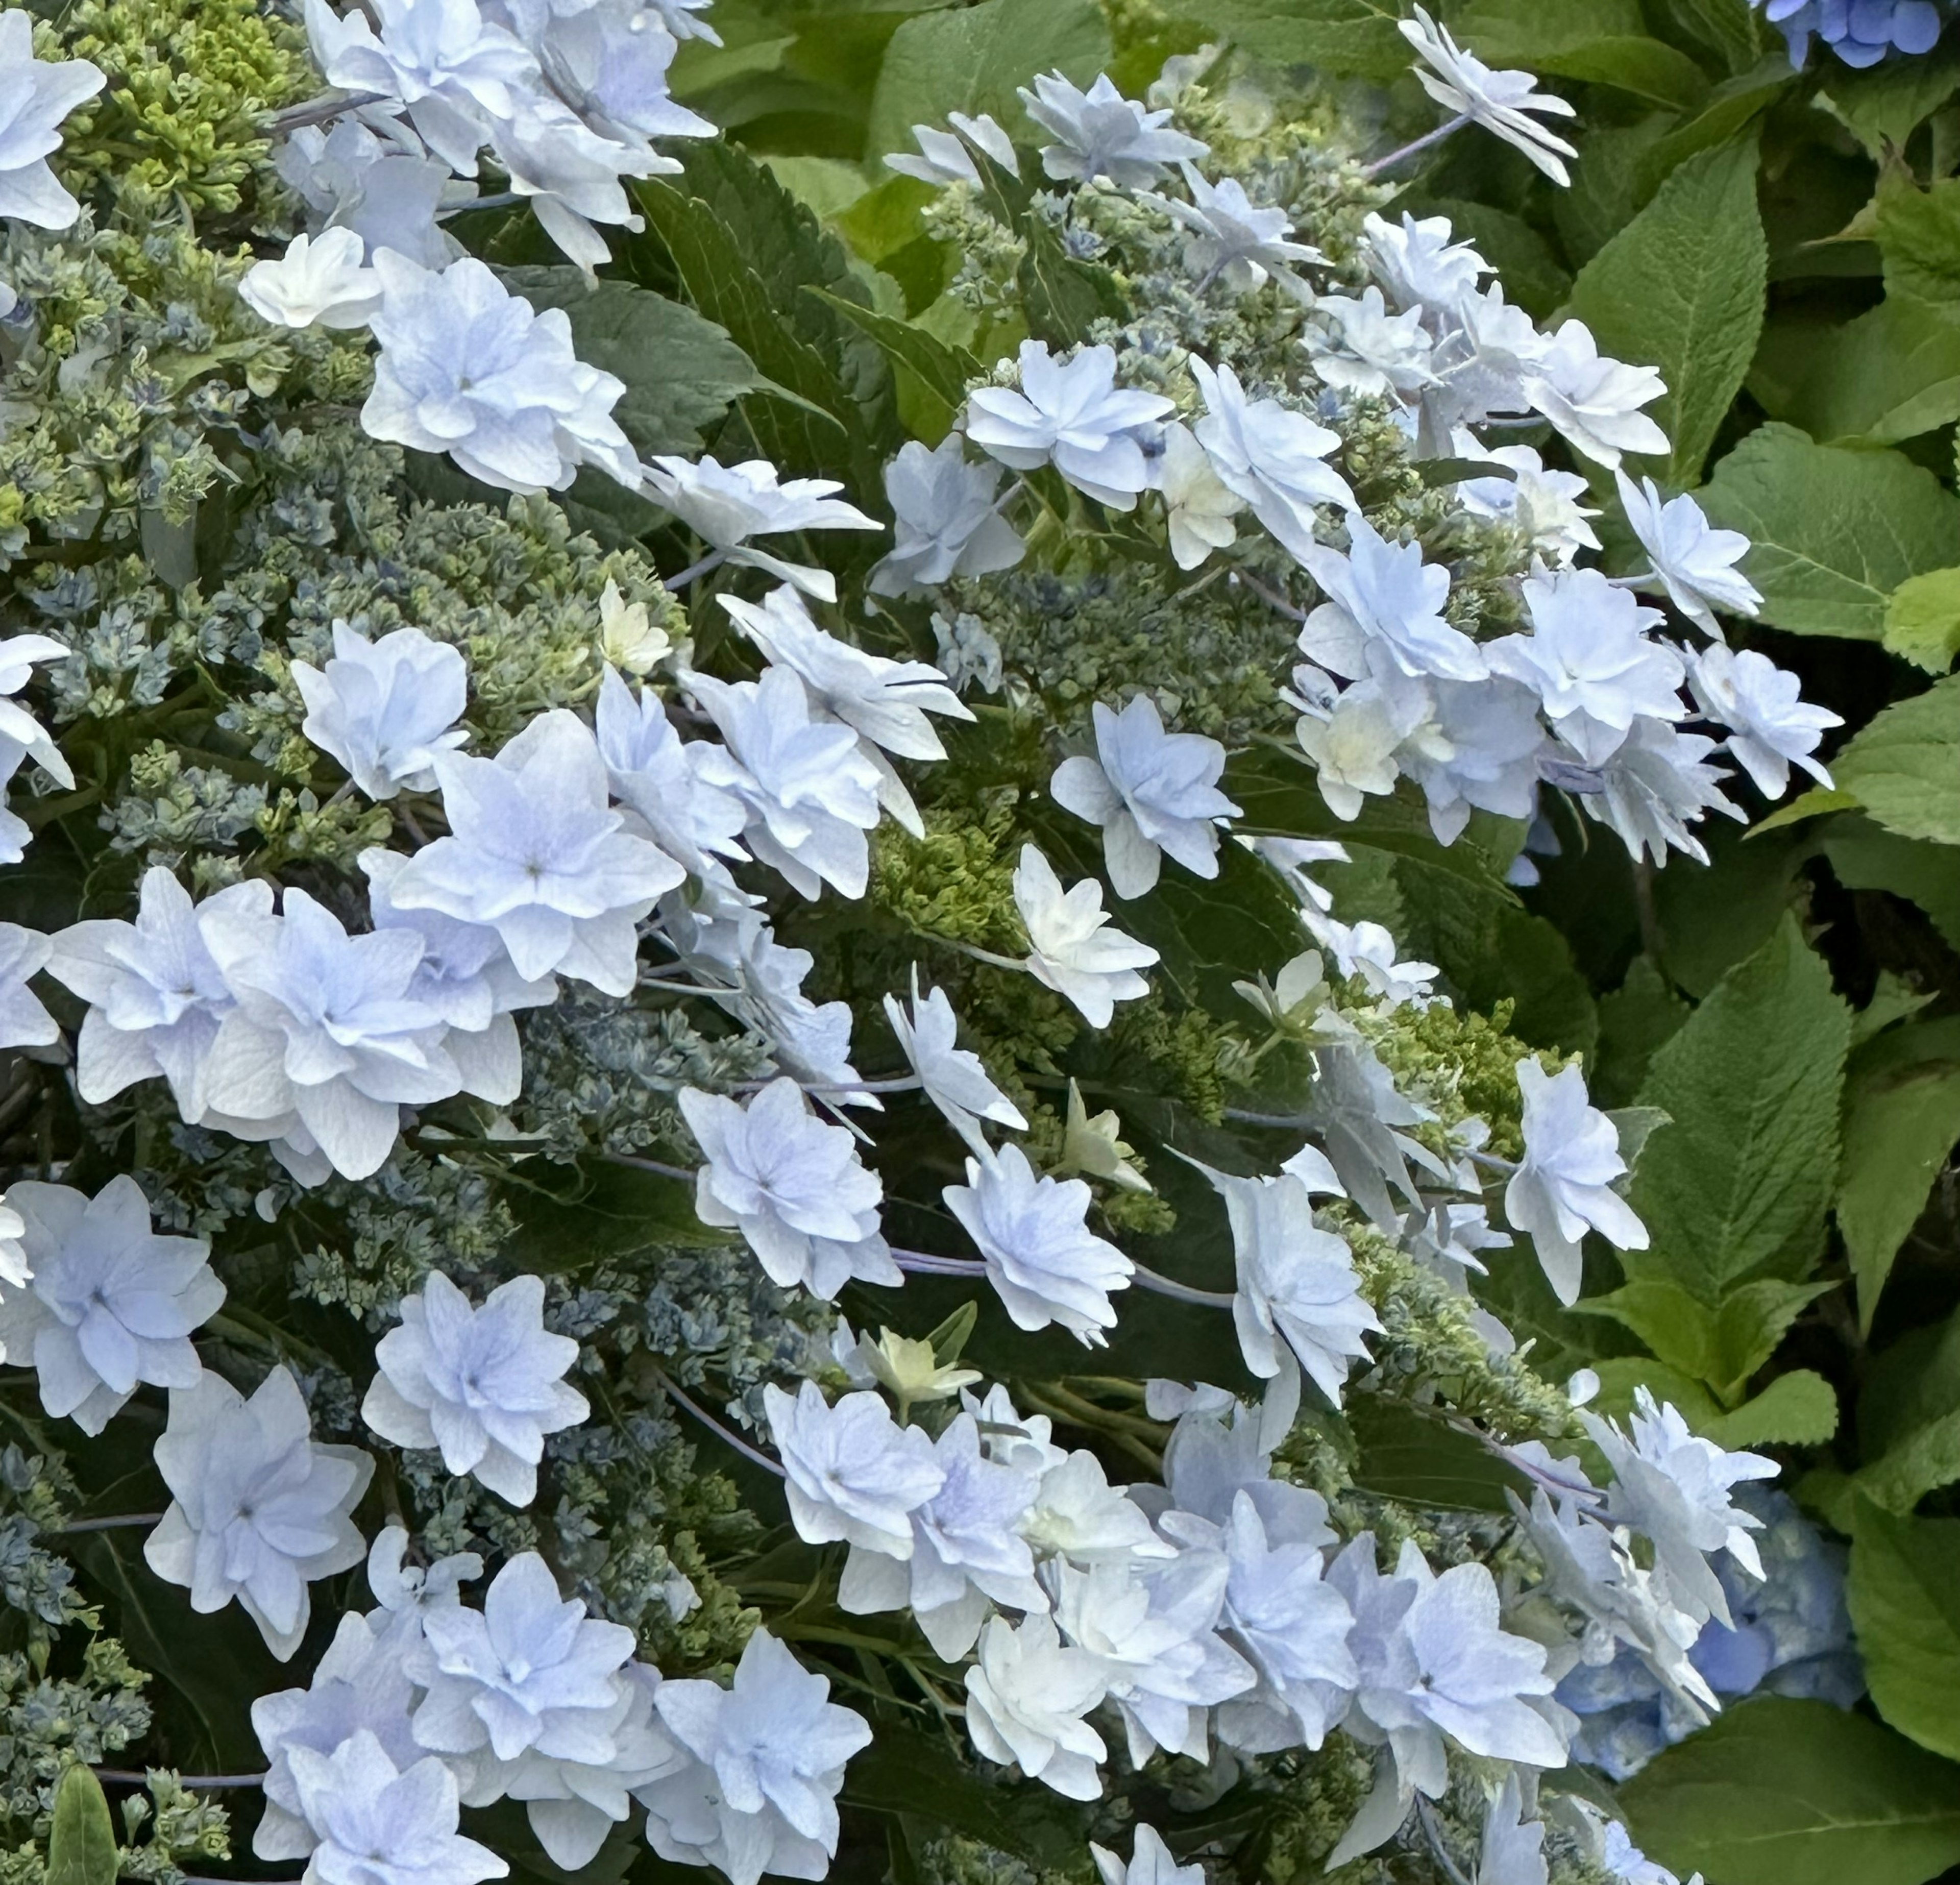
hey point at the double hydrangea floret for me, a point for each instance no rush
(39, 94)
(1099, 133)
(378, 1824)
(725, 505)
(384, 709)
(947, 520)
(1071, 414)
(1270, 456)
(1071, 948)
(853, 1474)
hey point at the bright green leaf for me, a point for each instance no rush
(1680, 287)
(1905, 1606)
(1346, 39)
(1796, 1409)
(1898, 1134)
(1918, 234)
(1782, 1792)
(1737, 1184)
(1834, 531)
(1904, 768)
(1890, 375)
(1721, 1344)
(941, 370)
(1922, 619)
(974, 58)
(81, 1841)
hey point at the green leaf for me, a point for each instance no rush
(1864, 857)
(1905, 1606)
(1909, 1418)
(1638, 1018)
(1732, 107)
(1405, 1455)
(1899, 1132)
(1796, 1409)
(1598, 42)
(941, 370)
(1922, 620)
(1782, 1792)
(81, 1840)
(974, 58)
(1062, 296)
(1904, 768)
(910, 1773)
(1730, 31)
(1918, 234)
(1345, 38)
(1680, 287)
(1885, 103)
(681, 372)
(1737, 1184)
(1834, 531)
(1720, 1344)
(1890, 375)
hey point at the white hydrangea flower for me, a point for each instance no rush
(1078, 1517)
(41, 93)
(967, 1553)
(1297, 1283)
(1044, 1262)
(1500, 101)
(1420, 263)
(24, 1021)
(1071, 413)
(1151, 1864)
(407, 1593)
(259, 1509)
(769, 1755)
(1674, 1487)
(952, 1077)
(1593, 400)
(530, 1670)
(320, 281)
(1544, 506)
(628, 639)
(1655, 787)
(1366, 350)
(811, 789)
(1770, 726)
(156, 993)
(537, 853)
(1563, 1185)
(384, 709)
(19, 729)
(1355, 740)
(446, 69)
(1100, 132)
(1235, 241)
(659, 778)
(111, 1304)
(358, 1684)
(1589, 659)
(1694, 562)
(1150, 791)
(943, 158)
(1072, 949)
(387, 189)
(1269, 455)
(1198, 505)
(1026, 1697)
(725, 505)
(482, 1385)
(381, 1825)
(1383, 596)
(792, 1185)
(466, 368)
(946, 520)
(853, 1475)
(1512, 1851)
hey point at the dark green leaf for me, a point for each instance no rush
(1060, 295)
(904, 1773)
(1885, 104)
(1866, 857)
(1899, 1129)
(1780, 1792)
(1721, 1344)
(1406, 1456)
(1905, 1607)
(1890, 375)
(942, 370)
(1903, 768)
(1346, 39)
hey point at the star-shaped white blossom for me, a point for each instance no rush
(40, 93)
(1656, 788)
(320, 281)
(1071, 948)
(725, 505)
(1593, 399)
(1199, 506)
(792, 1184)
(468, 368)
(537, 854)
(1365, 349)
(111, 1305)
(482, 1385)
(1383, 597)
(259, 1509)
(948, 520)
(1770, 726)
(943, 158)
(1100, 132)
(952, 1077)
(1044, 1262)
(1500, 101)
(1269, 455)
(853, 1475)
(1151, 1864)
(1420, 263)
(379, 1825)
(1151, 792)
(1563, 1185)
(658, 777)
(1027, 1697)
(1692, 561)
(1071, 413)
(384, 709)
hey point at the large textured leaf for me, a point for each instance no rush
(1737, 1184)
(1680, 287)
(974, 58)
(1720, 1344)
(1898, 1131)
(1886, 102)
(1889, 376)
(1835, 531)
(940, 368)
(1905, 1606)
(1779, 1792)
(681, 372)
(1903, 768)
(1864, 857)
(81, 1841)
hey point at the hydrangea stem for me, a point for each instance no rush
(1179, 1292)
(753, 1454)
(128, 1777)
(108, 1524)
(1426, 141)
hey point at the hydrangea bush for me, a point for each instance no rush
(730, 1140)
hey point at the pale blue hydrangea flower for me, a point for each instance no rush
(1150, 791)
(1861, 32)
(854, 1476)
(537, 853)
(1072, 414)
(1693, 561)
(660, 778)
(384, 709)
(378, 1824)
(1770, 727)
(1269, 455)
(386, 189)
(1046, 1264)
(769, 1754)
(792, 1184)
(947, 521)
(484, 1386)
(24, 1021)
(38, 94)
(952, 1077)
(1500, 101)
(1232, 240)
(1384, 600)
(259, 1508)
(112, 1304)
(1100, 132)
(725, 505)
